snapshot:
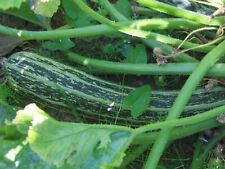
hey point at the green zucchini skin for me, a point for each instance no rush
(48, 82)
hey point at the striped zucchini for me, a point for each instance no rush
(48, 82)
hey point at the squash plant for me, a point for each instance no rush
(51, 143)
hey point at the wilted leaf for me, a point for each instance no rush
(137, 55)
(6, 4)
(72, 144)
(160, 58)
(221, 118)
(8, 43)
(46, 7)
(137, 101)
(62, 45)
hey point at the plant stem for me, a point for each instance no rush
(113, 11)
(96, 30)
(182, 99)
(89, 31)
(167, 50)
(136, 32)
(179, 12)
(134, 154)
(177, 133)
(197, 162)
(144, 11)
(102, 66)
(211, 114)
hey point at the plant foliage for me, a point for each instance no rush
(138, 100)
(45, 8)
(76, 145)
(128, 29)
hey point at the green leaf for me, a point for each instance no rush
(5, 92)
(124, 7)
(25, 13)
(137, 55)
(7, 112)
(128, 48)
(62, 45)
(74, 15)
(137, 101)
(6, 4)
(46, 8)
(74, 145)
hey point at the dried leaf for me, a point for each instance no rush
(221, 118)
(160, 58)
(211, 84)
(8, 43)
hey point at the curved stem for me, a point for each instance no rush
(195, 31)
(96, 30)
(167, 50)
(136, 32)
(211, 114)
(89, 31)
(182, 99)
(179, 12)
(113, 11)
(177, 133)
(102, 66)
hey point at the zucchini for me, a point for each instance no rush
(48, 82)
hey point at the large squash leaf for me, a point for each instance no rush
(72, 144)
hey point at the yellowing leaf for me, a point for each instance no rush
(46, 7)
(8, 43)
